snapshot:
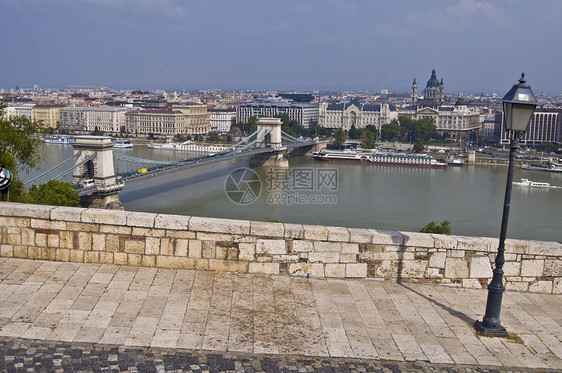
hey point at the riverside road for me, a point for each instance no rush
(89, 317)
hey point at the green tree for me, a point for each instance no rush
(368, 140)
(55, 193)
(97, 132)
(214, 137)
(548, 147)
(339, 138)
(354, 133)
(19, 145)
(390, 131)
(443, 228)
(418, 147)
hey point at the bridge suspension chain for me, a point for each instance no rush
(73, 158)
(128, 158)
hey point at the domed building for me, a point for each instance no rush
(460, 121)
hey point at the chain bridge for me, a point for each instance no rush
(98, 185)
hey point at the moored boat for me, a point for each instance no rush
(54, 139)
(548, 167)
(123, 144)
(376, 157)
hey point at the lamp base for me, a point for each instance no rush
(490, 332)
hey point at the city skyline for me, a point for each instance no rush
(475, 46)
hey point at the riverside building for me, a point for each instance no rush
(545, 126)
(346, 114)
(305, 114)
(187, 119)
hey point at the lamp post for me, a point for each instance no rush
(518, 107)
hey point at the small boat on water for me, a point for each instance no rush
(534, 184)
(551, 167)
(455, 162)
(123, 144)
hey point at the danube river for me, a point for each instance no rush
(344, 194)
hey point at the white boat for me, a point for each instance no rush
(123, 144)
(59, 139)
(188, 147)
(529, 183)
(549, 167)
(420, 160)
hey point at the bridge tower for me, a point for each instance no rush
(274, 159)
(97, 175)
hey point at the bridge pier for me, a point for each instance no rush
(97, 176)
(275, 159)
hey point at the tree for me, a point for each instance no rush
(339, 138)
(214, 137)
(55, 193)
(97, 132)
(548, 147)
(354, 133)
(19, 145)
(368, 139)
(235, 132)
(433, 227)
(390, 131)
(419, 147)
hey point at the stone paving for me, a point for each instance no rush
(160, 316)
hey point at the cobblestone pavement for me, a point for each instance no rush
(41, 356)
(225, 314)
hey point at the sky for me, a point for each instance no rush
(290, 45)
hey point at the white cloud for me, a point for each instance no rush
(466, 9)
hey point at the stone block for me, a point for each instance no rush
(458, 253)
(327, 246)
(472, 243)
(412, 268)
(348, 258)
(26, 210)
(350, 248)
(85, 241)
(532, 267)
(28, 237)
(264, 268)
(270, 247)
(6, 251)
(303, 269)
(386, 237)
(295, 231)
(218, 265)
(553, 267)
(106, 258)
(48, 253)
(456, 268)
(356, 270)
(315, 232)
(67, 214)
(214, 225)
(82, 227)
(33, 252)
(99, 216)
(300, 246)
(112, 243)
(152, 246)
(208, 249)
(141, 219)
(14, 236)
(134, 246)
(20, 252)
(338, 234)
(40, 239)
(471, 283)
(53, 240)
(512, 268)
(545, 248)
(516, 286)
(443, 241)
(437, 259)
(204, 236)
(480, 267)
(66, 239)
(415, 239)
(77, 256)
(557, 285)
(335, 270)
(120, 258)
(179, 222)
(247, 251)
(433, 273)
(175, 262)
(48, 224)
(195, 249)
(147, 260)
(201, 264)
(266, 229)
(151, 232)
(513, 246)
(115, 229)
(359, 235)
(135, 260)
(166, 247)
(324, 257)
(541, 287)
(92, 257)
(185, 235)
(98, 241)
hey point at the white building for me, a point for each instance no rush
(545, 126)
(222, 119)
(305, 114)
(105, 118)
(345, 114)
(72, 118)
(25, 110)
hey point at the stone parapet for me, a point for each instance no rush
(177, 241)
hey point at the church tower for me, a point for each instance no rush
(434, 90)
(414, 94)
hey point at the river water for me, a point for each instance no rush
(345, 194)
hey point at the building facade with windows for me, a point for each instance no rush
(545, 126)
(49, 115)
(105, 118)
(222, 119)
(25, 110)
(188, 119)
(305, 114)
(345, 114)
(72, 118)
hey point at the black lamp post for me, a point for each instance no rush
(518, 107)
